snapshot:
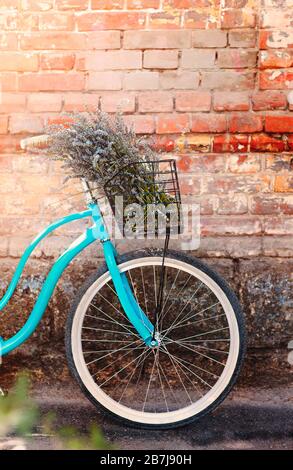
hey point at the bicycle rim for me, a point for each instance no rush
(196, 358)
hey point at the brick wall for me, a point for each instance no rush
(210, 79)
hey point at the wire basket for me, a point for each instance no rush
(145, 198)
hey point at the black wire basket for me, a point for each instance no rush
(145, 198)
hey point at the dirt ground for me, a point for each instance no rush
(250, 418)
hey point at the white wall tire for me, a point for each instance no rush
(177, 417)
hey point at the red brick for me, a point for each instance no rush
(107, 4)
(242, 38)
(8, 41)
(200, 19)
(142, 4)
(12, 103)
(209, 123)
(230, 226)
(206, 39)
(9, 143)
(159, 101)
(228, 80)
(244, 164)
(193, 101)
(61, 61)
(173, 123)
(232, 204)
(110, 20)
(52, 82)
(231, 101)
(24, 62)
(266, 143)
(278, 226)
(141, 124)
(141, 81)
(266, 204)
(28, 22)
(194, 143)
(105, 81)
(197, 58)
(276, 39)
(189, 184)
(25, 123)
(104, 40)
(37, 5)
(236, 58)
(3, 124)
(275, 59)
(165, 20)
(267, 100)
(113, 102)
(276, 80)
(245, 123)
(157, 39)
(179, 80)
(44, 102)
(284, 183)
(8, 81)
(237, 18)
(78, 102)
(52, 22)
(279, 123)
(230, 143)
(186, 4)
(279, 18)
(110, 60)
(10, 4)
(201, 163)
(160, 59)
(72, 4)
(242, 183)
(49, 40)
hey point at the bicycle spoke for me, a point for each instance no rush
(131, 374)
(177, 373)
(192, 372)
(112, 352)
(194, 386)
(186, 319)
(149, 383)
(193, 365)
(194, 342)
(120, 370)
(208, 332)
(200, 354)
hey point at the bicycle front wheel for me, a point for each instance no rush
(201, 341)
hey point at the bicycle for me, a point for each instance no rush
(155, 336)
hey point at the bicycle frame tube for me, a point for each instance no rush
(97, 232)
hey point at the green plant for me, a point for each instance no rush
(19, 415)
(96, 146)
(105, 152)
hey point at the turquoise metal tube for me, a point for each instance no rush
(135, 315)
(97, 232)
(131, 308)
(32, 246)
(47, 290)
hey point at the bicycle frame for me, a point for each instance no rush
(124, 292)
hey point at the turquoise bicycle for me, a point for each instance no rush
(155, 336)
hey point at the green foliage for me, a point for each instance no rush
(72, 440)
(19, 415)
(17, 411)
(96, 147)
(106, 153)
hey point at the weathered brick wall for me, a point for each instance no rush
(210, 79)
